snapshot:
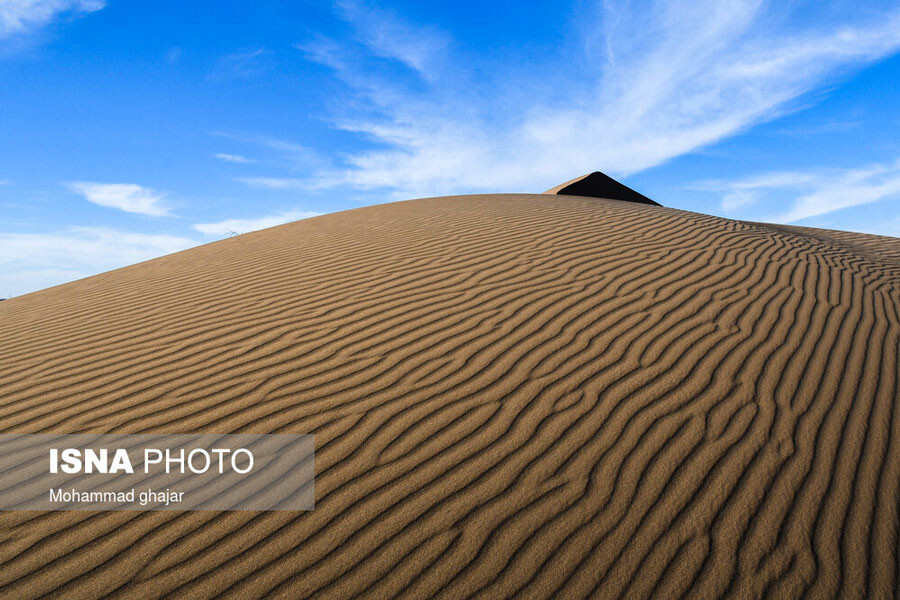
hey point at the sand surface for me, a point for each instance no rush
(512, 396)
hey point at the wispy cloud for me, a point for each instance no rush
(420, 48)
(277, 183)
(128, 197)
(279, 152)
(268, 141)
(825, 128)
(238, 65)
(5, 182)
(810, 193)
(638, 85)
(234, 158)
(33, 261)
(22, 16)
(231, 226)
(745, 192)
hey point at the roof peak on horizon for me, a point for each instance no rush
(600, 185)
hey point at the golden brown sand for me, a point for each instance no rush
(512, 396)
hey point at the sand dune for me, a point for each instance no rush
(512, 396)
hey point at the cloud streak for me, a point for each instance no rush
(638, 86)
(811, 193)
(238, 65)
(128, 197)
(234, 158)
(22, 16)
(276, 183)
(386, 35)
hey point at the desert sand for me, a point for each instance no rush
(512, 395)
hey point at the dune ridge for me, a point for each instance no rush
(512, 395)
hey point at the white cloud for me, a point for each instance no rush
(238, 65)
(810, 193)
(21, 16)
(128, 197)
(280, 152)
(277, 183)
(234, 158)
(5, 182)
(232, 226)
(265, 140)
(746, 192)
(33, 261)
(419, 48)
(637, 85)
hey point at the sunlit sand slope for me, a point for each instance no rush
(512, 396)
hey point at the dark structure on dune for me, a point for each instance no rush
(600, 185)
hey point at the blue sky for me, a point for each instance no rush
(129, 130)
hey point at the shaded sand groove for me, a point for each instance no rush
(512, 396)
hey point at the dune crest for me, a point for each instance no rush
(513, 395)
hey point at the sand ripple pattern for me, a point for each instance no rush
(521, 396)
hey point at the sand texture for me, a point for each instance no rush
(512, 395)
